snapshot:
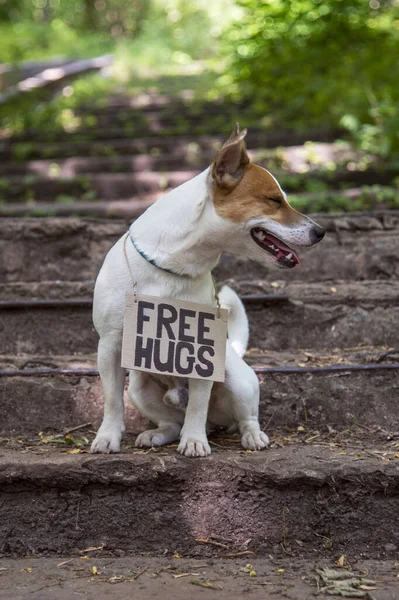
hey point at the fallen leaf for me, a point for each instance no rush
(27, 569)
(367, 587)
(74, 451)
(247, 569)
(252, 573)
(176, 555)
(341, 560)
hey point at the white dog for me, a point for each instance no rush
(232, 206)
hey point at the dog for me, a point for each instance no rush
(233, 206)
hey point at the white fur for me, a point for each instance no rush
(181, 232)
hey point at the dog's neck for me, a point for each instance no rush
(181, 232)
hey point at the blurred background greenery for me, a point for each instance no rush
(280, 65)
(299, 63)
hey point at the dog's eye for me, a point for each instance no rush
(275, 199)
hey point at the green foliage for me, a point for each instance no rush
(320, 63)
(28, 40)
(111, 17)
(370, 198)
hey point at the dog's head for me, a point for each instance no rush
(250, 200)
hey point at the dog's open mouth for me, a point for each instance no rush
(285, 256)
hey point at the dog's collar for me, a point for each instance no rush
(152, 262)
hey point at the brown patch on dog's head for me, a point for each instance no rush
(243, 191)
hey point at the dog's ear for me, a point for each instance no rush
(229, 164)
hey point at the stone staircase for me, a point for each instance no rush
(323, 343)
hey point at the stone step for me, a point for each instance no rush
(13, 149)
(180, 578)
(129, 108)
(119, 133)
(109, 186)
(192, 158)
(311, 389)
(72, 167)
(66, 206)
(154, 123)
(278, 504)
(356, 246)
(56, 317)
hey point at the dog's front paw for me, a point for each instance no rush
(254, 440)
(106, 441)
(194, 448)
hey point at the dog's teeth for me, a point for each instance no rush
(289, 256)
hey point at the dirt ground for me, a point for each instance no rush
(178, 578)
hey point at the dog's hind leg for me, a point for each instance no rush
(147, 397)
(243, 384)
(108, 438)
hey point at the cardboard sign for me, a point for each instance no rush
(174, 337)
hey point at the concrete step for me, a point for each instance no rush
(84, 203)
(312, 389)
(71, 167)
(296, 176)
(259, 137)
(180, 578)
(71, 146)
(65, 206)
(57, 317)
(356, 246)
(155, 123)
(330, 498)
(109, 186)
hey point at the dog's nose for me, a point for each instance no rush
(317, 234)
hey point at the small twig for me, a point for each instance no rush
(235, 554)
(139, 573)
(61, 564)
(92, 549)
(206, 584)
(212, 542)
(43, 363)
(70, 430)
(386, 355)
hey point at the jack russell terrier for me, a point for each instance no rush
(232, 206)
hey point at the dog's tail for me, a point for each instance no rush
(238, 321)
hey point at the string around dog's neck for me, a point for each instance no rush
(153, 263)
